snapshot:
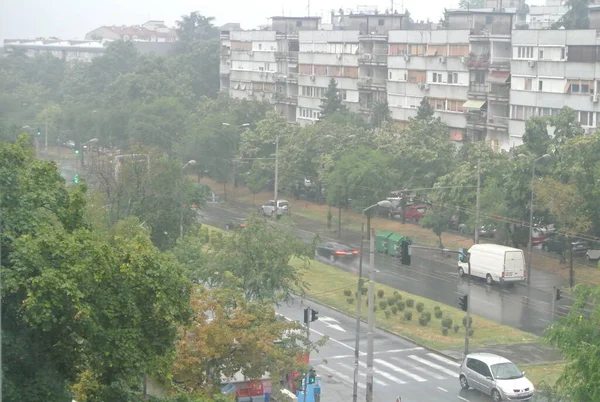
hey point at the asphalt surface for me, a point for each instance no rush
(401, 368)
(435, 277)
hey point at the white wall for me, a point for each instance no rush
(396, 74)
(336, 48)
(253, 66)
(258, 46)
(463, 78)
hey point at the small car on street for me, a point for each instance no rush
(334, 251)
(236, 224)
(283, 208)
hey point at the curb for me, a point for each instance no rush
(406, 338)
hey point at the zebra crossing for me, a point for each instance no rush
(390, 370)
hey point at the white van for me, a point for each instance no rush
(495, 263)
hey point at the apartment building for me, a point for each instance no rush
(429, 64)
(551, 69)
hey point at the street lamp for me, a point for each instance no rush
(530, 245)
(371, 316)
(190, 163)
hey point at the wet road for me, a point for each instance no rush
(435, 277)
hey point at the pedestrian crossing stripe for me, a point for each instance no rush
(400, 370)
(340, 375)
(433, 365)
(384, 374)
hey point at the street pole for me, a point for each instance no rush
(371, 318)
(308, 340)
(358, 314)
(46, 137)
(529, 244)
(553, 301)
(181, 206)
(477, 202)
(233, 185)
(339, 220)
(571, 272)
(276, 172)
(468, 326)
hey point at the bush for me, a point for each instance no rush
(464, 322)
(437, 308)
(380, 293)
(456, 328)
(347, 293)
(383, 304)
(394, 310)
(444, 331)
(408, 315)
(204, 236)
(410, 302)
(471, 331)
(391, 301)
(420, 307)
(350, 300)
(397, 295)
(388, 313)
(363, 291)
(447, 322)
(427, 314)
(401, 305)
(438, 313)
(423, 320)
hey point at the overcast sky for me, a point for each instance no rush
(71, 19)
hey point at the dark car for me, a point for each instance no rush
(558, 244)
(235, 224)
(334, 251)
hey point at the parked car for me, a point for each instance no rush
(558, 244)
(283, 208)
(236, 224)
(488, 231)
(593, 252)
(415, 213)
(70, 144)
(495, 263)
(495, 376)
(334, 251)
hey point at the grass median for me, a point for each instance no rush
(336, 288)
(543, 374)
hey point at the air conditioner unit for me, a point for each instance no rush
(250, 53)
(338, 56)
(426, 87)
(463, 59)
(590, 130)
(531, 63)
(407, 57)
(594, 98)
(250, 92)
(442, 59)
(312, 77)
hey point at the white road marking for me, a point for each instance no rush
(383, 384)
(336, 341)
(340, 375)
(384, 374)
(462, 399)
(400, 370)
(428, 372)
(386, 352)
(440, 388)
(444, 360)
(433, 365)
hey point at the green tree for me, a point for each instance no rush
(425, 111)
(536, 139)
(332, 102)
(567, 126)
(380, 114)
(201, 64)
(436, 219)
(471, 4)
(576, 336)
(578, 16)
(195, 27)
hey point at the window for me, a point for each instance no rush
(437, 104)
(452, 78)
(381, 22)
(562, 53)
(437, 77)
(586, 118)
(584, 54)
(344, 94)
(528, 84)
(416, 50)
(580, 87)
(541, 56)
(398, 50)
(416, 76)
(458, 50)
(260, 46)
(390, 75)
(298, 23)
(455, 105)
(540, 85)
(524, 52)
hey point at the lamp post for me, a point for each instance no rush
(192, 163)
(530, 245)
(371, 316)
(234, 161)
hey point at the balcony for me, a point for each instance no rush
(371, 83)
(225, 51)
(476, 119)
(483, 32)
(373, 59)
(283, 98)
(289, 55)
(475, 62)
(498, 122)
(500, 63)
(478, 90)
(499, 93)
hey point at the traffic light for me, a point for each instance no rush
(76, 178)
(310, 315)
(312, 376)
(76, 150)
(314, 315)
(39, 132)
(405, 256)
(463, 302)
(558, 294)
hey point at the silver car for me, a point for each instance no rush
(495, 376)
(283, 208)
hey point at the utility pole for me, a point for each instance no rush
(276, 173)
(308, 339)
(233, 185)
(477, 202)
(46, 137)
(358, 314)
(371, 318)
(571, 272)
(468, 326)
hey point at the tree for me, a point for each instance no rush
(425, 111)
(230, 334)
(436, 219)
(201, 64)
(578, 16)
(567, 126)
(380, 114)
(576, 336)
(564, 203)
(536, 139)
(195, 27)
(332, 102)
(471, 4)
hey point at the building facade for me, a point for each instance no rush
(151, 31)
(67, 50)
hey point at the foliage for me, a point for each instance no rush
(471, 4)
(196, 27)
(436, 219)
(332, 102)
(564, 203)
(380, 113)
(576, 336)
(577, 17)
(425, 111)
(536, 139)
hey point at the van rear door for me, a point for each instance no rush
(514, 264)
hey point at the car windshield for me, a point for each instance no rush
(506, 371)
(283, 203)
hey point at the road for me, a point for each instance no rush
(401, 368)
(435, 277)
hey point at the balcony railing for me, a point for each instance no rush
(369, 58)
(479, 88)
(371, 82)
(476, 118)
(491, 29)
(501, 121)
(500, 91)
(283, 98)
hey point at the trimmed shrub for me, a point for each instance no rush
(408, 315)
(420, 307)
(394, 309)
(438, 313)
(388, 313)
(364, 291)
(401, 305)
(383, 304)
(391, 301)
(464, 321)
(350, 300)
(423, 320)
(396, 294)
(380, 293)
(456, 328)
(471, 331)
(427, 314)
(347, 292)
(444, 331)
(447, 322)
(437, 308)
(410, 302)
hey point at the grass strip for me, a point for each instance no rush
(543, 374)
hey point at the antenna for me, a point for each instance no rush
(308, 8)
(391, 6)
